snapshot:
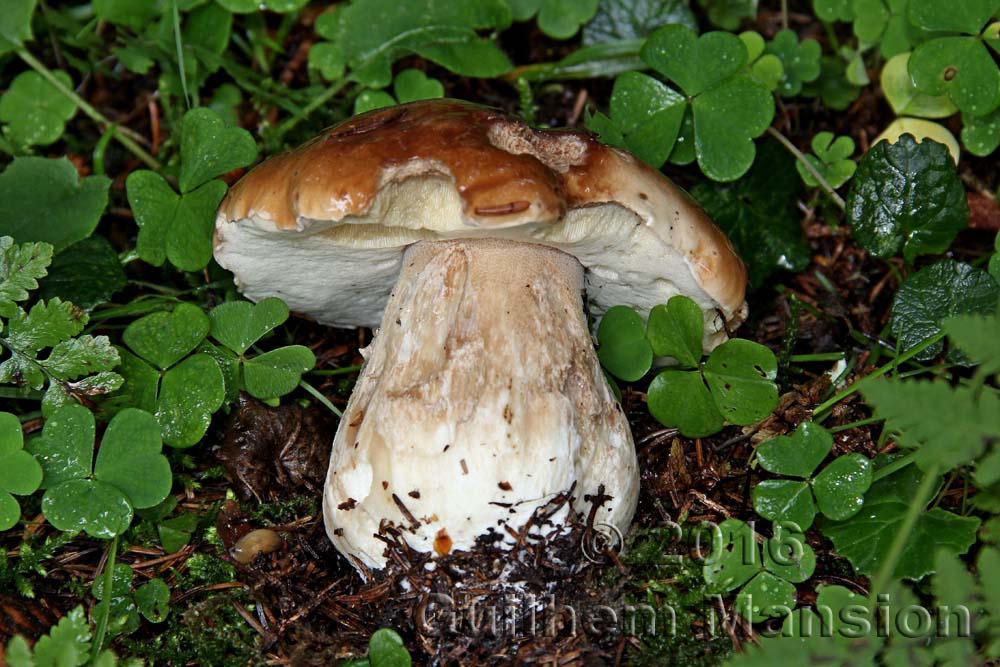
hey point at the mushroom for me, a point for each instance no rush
(468, 239)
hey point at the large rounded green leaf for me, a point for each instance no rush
(904, 97)
(10, 511)
(906, 196)
(66, 448)
(20, 473)
(210, 148)
(928, 297)
(726, 120)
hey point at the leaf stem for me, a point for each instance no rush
(894, 467)
(909, 354)
(823, 183)
(179, 47)
(820, 356)
(120, 134)
(104, 608)
(920, 500)
(346, 370)
(317, 102)
(321, 398)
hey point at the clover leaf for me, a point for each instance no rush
(833, 86)
(981, 134)
(560, 19)
(866, 538)
(238, 325)
(409, 85)
(682, 400)
(834, 10)
(624, 350)
(767, 582)
(906, 196)
(179, 227)
(957, 63)
(933, 294)
(766, 68)
(152, 600)
(182, 391)
(837, 491)
(729, 14)
(645, 117)
(729, 108)
(20, 473)
(442, 32)
(905, 98)
(800, 61)
(740, 374)
(15, 24)
(994, 266)
(99, 496)
(735, 384)
(386, 649)
(46, 200)
(884, 22)
(675, 330)
(831, 158)
(35, 113)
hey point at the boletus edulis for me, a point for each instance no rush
(476, 246)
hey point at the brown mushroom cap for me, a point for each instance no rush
(337, 212)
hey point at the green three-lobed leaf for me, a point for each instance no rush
(182, 391)
(179, 227)
(99, 496)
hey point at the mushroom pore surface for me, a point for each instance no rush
(481, 400)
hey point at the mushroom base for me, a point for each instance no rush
(481, 399)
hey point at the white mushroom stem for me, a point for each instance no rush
(481, 400)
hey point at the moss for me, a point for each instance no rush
(285, 511)
(210, 632)
(689, 631)
(205, 570)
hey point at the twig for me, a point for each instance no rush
(823, 183)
